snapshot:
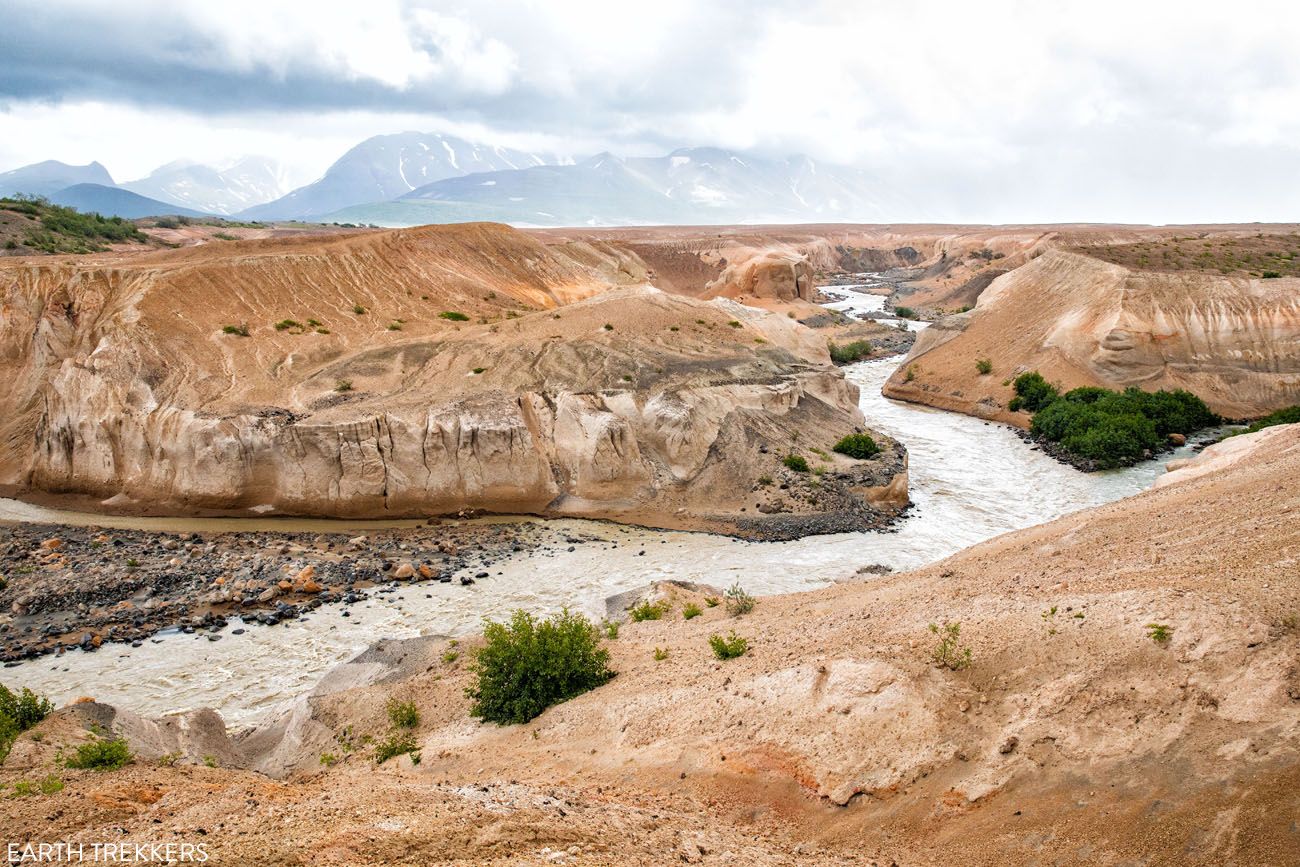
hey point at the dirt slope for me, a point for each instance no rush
(353, 394)
(1232, 340)
(1072, 738)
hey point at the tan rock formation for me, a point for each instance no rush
(1233, 341)
(353, 395)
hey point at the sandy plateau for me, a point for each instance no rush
(1133, 690)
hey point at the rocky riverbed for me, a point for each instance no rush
(63, 587)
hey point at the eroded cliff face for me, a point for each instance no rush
(631, 404)
(1233, 341)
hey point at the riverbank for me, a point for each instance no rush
(81, 587)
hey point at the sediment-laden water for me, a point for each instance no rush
(970, 480)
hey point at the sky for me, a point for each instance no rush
(998, 111)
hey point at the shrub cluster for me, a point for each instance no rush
(849, 352)
(1290, 415)
(1110, 428)
(101, 754)
(19, 712)
(858, 445)
(67, 230)
(528, 665)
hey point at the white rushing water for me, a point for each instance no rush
(970, 480)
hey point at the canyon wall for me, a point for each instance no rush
(1234, 341)
(545, 388)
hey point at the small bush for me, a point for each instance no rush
(910, 374)
(859, 446)
(660, 654)
(904, 312)
(735, 323)
(849, 352)
(646, 610)
(984, 366)
(394, 326)
(286, 324)
(730, 647)
(453, 316)
(450, 656)
(396, 744)
(1290, 415)
(796, 462)
(608, 327)
(711, 601)
(358, 309)
(738, 601)
(528, 665)
(329, 760)
(51, 785)
(1032, 392)
(947, 653)
(403, 714)
(611, 629)
(691, 611)
(1160, 633)
(1271, 275)
(241, 330)
(479, 370)
(24, 708)
(105, 754)
(343, 385)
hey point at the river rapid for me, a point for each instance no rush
(970, 480)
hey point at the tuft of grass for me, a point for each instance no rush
(738, 601)
(1160, 633)
(343, 385)
(984, 366)
(711, 601)
(660, 654)
(329, 760)
(402, 714)
(453, 316)
(611, 629)
(396, 744)
(690, 611)
(730, 647)
(646, 610)
(358, 309)
(735, 323)
(451, 656)
(798, 463)
(948, 653)
(103, 754)
(315, 323)
(394, 326)
(240, 330)
(286, 324)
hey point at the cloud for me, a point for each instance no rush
(981, 109)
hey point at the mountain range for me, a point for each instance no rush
(416, 178)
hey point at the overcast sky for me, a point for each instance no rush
(989, 111)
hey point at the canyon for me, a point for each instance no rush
(1131, 687)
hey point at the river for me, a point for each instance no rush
(970, 480)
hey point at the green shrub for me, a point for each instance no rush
(735, 323)
(358, 309)
(904, 312)
(730, 647)
(660, 654)
(24, 708)
(396, 744)
(984, 366)
(1271, 275)
(103, 754)
(611, 629)
(711, 601)
(796, 462)
(286, 324)
(849, 352)
(1290, 415)
(403, 714)
(241, 330)
(394, 326)
(738, 601)
(51, 785)
(859, 446)
(608, 327)
(453, 316)
(1032, 392)
(691, 610)
(528, 665)
(343, 385)
(1113, 428)
(1160, 633)
(645, 610)
(947, 653)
